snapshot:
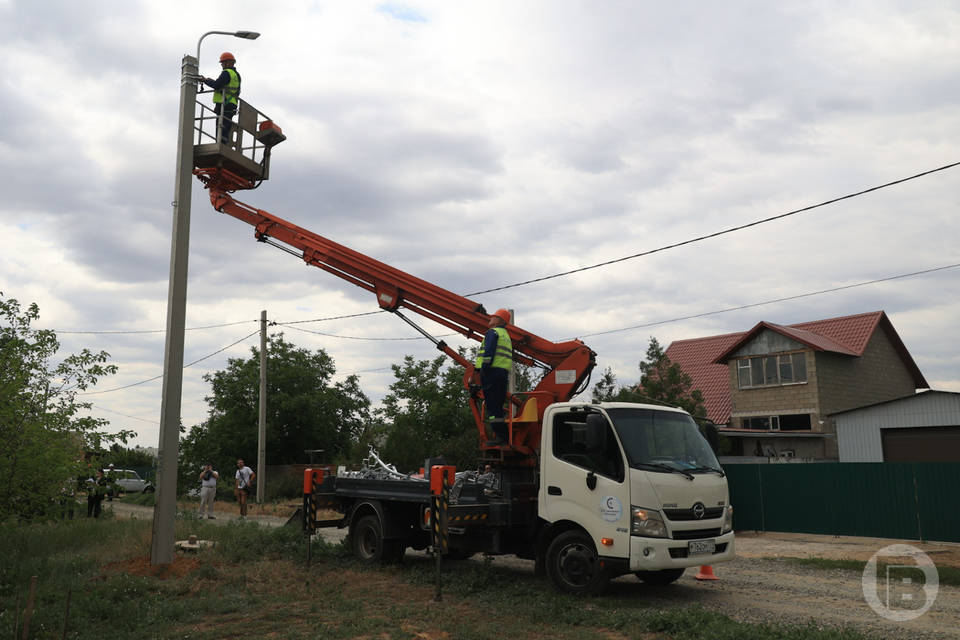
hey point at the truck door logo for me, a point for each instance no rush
(611, 508)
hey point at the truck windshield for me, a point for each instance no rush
(664, 440)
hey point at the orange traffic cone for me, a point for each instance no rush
(706, 573)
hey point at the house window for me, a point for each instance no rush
(784, 422)
(762, 423)
(770, 371)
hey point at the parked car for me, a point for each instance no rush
(129, 481)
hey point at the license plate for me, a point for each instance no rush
(701, 547)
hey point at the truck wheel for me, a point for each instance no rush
(660, 578)
(368, 544)
(573, 565)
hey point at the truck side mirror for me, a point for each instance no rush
(591, 481)
(596, 434)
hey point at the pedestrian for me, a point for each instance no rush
(226, 94)
(245, 480)
(208, 489)
(96, 489)
(495, 361)
(111, 479)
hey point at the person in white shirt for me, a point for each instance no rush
(245, 479)
(208, 489)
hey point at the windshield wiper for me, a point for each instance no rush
(714, 469)
(666, 467)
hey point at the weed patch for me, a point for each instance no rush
(947, 575)
(253, 577)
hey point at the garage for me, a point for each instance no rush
(921, 444)
(924, 427)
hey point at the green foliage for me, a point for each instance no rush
(665, 380)
(253, 583)
(127, 457)
(305, 410)
(947, 575)
(661, 382)
(42, 434)
(427, 413)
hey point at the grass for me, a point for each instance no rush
(254, 577)
(947, 575)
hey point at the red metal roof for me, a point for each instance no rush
(705, 359)
(696, 358)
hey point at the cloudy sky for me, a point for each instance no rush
(483, 144)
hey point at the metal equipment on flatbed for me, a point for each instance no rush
(588, 490)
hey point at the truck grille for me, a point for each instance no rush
(678, 515)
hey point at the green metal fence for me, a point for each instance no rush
(913, 501)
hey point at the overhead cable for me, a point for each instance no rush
(759, 304)
(716, 233)
(209, 326)
(90, 393)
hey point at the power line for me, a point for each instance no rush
(759, 304)
(210, 326)
(126, 415)
(690, 317)
(332, 335)
(563, 273)
(90, 393)
(716, 233)
(352, 315)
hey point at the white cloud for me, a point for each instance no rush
(481, 144)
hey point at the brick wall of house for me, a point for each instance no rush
(848, 382)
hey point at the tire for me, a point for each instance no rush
(572, 564)
(660, 578)
(368, 544)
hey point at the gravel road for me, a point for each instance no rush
(760, 586)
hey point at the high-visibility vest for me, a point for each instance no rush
(502, 355)
(232, 89)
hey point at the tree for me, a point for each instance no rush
(666, 382)
(305, 410)
(128, 457)
(426, 414)
(661, 382)
(43, 437)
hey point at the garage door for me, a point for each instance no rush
(921, 444)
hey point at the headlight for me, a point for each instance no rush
(647, 523)
(728, 519)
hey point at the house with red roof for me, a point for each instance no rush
(772, 389)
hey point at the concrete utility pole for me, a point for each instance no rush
(161, 547)
(262, 434)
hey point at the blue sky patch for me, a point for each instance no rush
(401, 12)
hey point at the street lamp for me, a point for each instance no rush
(246, 35)
(161, 549)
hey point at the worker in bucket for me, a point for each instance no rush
(495, 361)
(226, 94)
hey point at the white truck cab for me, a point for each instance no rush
(641, 482)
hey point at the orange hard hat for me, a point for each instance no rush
(503, 314)
(226, 55)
